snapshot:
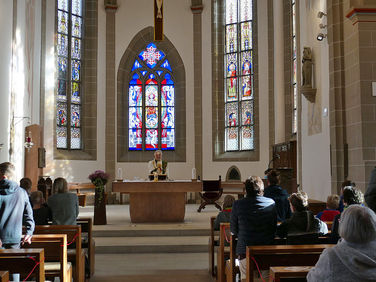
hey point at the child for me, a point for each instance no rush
(224, 215)
(41, 212)
(331, 210)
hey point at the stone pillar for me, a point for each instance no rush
(196, 9)
(337, 115)
(360, 62)
(111, 7)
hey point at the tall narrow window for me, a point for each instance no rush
(239, 96)
(151, 102)
(294, 69)
(69, 62)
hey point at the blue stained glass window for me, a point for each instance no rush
(238, 74)
(69, 28)
(151, 101)
(151, 55)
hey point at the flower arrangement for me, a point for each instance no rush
(99, 179)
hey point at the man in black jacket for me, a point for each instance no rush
(253, 220)
(279, 195)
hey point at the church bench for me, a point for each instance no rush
(282, 255)
(24, 262)
(55, 255)
(75, 253)
(223, 250)
(4, 276)
(88, 241)
(278, 273)
(212, 243)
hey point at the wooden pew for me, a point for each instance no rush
(222, 251)
(4, 276)
(88, 240)
(231, 268)
(212, 243)
(55, 255)
(287, 272)
(24, 262)
(282, 255)
(75, 253)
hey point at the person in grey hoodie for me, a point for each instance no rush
(15, 210)
(354, 257)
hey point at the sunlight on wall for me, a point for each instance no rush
(18, 88)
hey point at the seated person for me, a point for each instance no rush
(332, 203)
(344, 184)
(224, 215)
(302, 221)
(42, 213)
(26, 184)
(351, 196)
(253, 220)
(64, 205)
(157, 165)
(354, 257)
(279, 195)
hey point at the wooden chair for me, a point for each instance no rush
(75, 253)
(223, 251)
(88, 241)
(278, 273)
(4, 276)
(26, 262)
(281, 255)
(55, 255)
(212, 191)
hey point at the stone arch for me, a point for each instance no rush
(139, 41)
(233, 174)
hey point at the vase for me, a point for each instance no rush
(100, 217)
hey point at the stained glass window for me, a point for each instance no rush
(294, 69)
(238, 59)
(69, 45)
(151, 102)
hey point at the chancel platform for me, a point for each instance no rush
(161, 201)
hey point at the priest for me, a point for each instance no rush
(158, 165)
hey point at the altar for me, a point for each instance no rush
(162, 201)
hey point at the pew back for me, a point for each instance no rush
(86, 224)
(24, 262)
(4, 276)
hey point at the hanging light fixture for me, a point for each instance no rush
(28, 142)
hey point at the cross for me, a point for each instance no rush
(158, 20)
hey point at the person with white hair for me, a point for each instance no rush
(354, 257)
(157, 165)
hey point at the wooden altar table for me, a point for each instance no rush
(162, 201)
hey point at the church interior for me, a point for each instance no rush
(225, 89)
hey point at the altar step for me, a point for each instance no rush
(151, 244)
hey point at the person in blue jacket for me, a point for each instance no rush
(15, 210)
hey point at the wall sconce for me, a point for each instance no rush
(321, 36)
(321, 14)
(28, 142)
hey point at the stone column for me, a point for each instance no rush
(360, 62)
(111, 7)
(196, 9)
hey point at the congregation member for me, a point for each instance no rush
(253, 220)
(302, 221)
(351, 196)
(64, 205)
(370, 195)
(157, 165)
(41, 211)
(345, 183)
(26, 184)
(224, 215)
(279, 195)
(332, 204)
(15, 211)
(354, 257)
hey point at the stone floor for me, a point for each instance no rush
(166, 258)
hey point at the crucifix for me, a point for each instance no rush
(158, 20)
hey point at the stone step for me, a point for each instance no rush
(159, 244)
(150, 232)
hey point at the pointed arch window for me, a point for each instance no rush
(69, 62)
(151, 102)
(239, 76)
